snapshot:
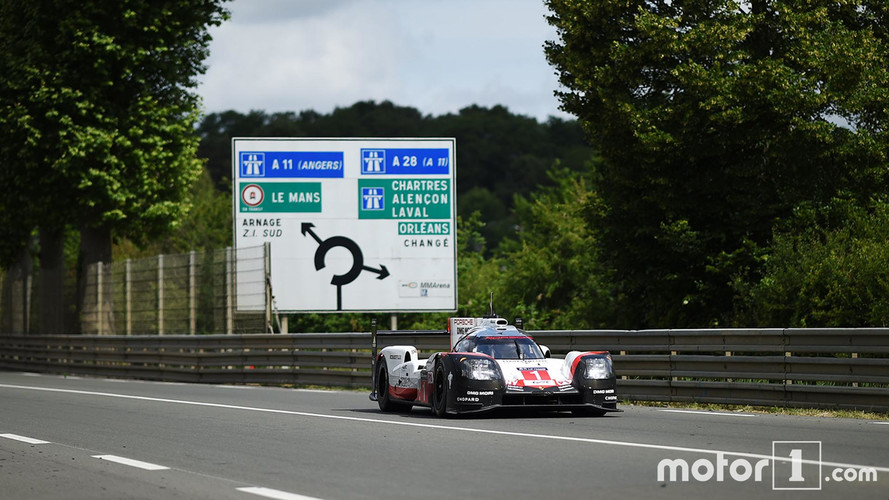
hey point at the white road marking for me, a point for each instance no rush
(24, 439)
(628, 444)
(880, 423)
(699, 412)
(132, 463)
(276, 494)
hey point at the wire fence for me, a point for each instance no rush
(216, 291)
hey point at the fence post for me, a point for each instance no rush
(787, 354)
(854, 356)
(192, 294)
(160, 294)
(128, 298)
(229, 286)
(787, 380)
(28, 284)
(267, 274)
(100, 323)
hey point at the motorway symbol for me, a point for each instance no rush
(339, 280)
(252, 164)
(372, 198)
(373, 161)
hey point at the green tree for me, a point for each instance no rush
(550, 275)
(98, 107)
(206, 226)
(714, 120)
(828, 267)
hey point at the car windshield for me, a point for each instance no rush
(508, 348)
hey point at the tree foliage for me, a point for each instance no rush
(97, 106)
(550, 275)
(206, 226)
(827, 267)
(714, 120)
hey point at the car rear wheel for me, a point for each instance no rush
(383, 398)
(440, 392)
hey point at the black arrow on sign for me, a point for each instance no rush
(307, 228)
(339, 280)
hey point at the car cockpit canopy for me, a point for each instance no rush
(505, 345)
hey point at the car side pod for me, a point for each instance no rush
(376, 358)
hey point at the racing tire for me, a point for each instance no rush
(383, 398)
(588, 412)
(439, 392)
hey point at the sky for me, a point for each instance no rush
(437, 56)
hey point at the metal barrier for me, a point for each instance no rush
(830, 368)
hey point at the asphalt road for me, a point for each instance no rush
(72, 438)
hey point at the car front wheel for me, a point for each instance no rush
(440, 392)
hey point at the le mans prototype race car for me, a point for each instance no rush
(491, 365)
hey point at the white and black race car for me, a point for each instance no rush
(491, 365)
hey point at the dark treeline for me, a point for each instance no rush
(499, 154)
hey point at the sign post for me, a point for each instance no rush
(357, 225)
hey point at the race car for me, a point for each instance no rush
(493, 364)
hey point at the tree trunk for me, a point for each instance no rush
(52, 281)
(17, 294)
(95, 246)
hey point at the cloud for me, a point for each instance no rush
(274, 11)
(436, 56)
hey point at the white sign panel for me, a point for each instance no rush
(354, 224)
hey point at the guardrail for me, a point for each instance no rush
(835, 368)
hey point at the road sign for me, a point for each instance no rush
(354, 224)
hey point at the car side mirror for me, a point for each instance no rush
(546, 351)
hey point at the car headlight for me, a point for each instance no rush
(598, 368)
(479, 369)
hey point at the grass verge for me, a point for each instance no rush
(772, 410)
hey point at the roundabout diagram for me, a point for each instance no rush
(340, 280)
